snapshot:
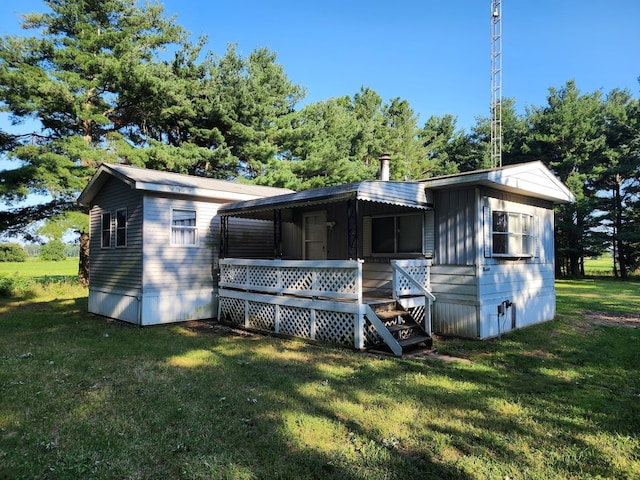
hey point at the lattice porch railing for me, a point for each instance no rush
(332, 278)
(319, 300)
(412, 287)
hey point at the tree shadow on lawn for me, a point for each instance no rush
(482, 419)
(177, 402)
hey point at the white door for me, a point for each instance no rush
(314, 236)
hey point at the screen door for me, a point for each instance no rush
(315, 236)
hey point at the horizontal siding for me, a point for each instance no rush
(178, 267)
(454, 283)
(522, 279)
(531, 289)
(455, 311)
(116, 268)
(376, 279)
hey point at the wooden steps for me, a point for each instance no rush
(400, 332)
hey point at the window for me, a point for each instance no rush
(397, 234)
(183, 227)
(106, 230)
(121, 227)
(511, 234)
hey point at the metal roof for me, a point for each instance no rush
(405, 194)
(176, 183)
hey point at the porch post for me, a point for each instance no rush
(224, 236)
(277, 233)
(359, 335)
(352, 225)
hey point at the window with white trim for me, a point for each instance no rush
(396, 234)
(105, 228)
(184, 230)
(121, 227)
(511, 234)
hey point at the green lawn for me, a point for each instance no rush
(35, 268)
(602, 266)
(85, 397)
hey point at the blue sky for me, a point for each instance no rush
(435, 54)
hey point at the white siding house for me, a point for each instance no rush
(154, 242)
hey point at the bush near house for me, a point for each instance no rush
(12, 252)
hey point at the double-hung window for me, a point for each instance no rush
(184, 230)
(113, 226)
(396, 234)
(512, 234)
(105, 228)
(121, 227)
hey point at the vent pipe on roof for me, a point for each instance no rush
(384, 166)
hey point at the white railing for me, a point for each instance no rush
(412, 278)
(320, 300)
(331, 278)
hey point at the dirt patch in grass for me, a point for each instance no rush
(212, 326)
(612, 319)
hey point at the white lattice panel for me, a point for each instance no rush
(262, 316)
(335, 327)
(371, 336)
(232, 310)
(336, 280)
(263, 277)
(418, 273)
(295, 321)
(297, 278)
(236, 274)
(418, 314)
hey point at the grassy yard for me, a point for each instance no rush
(84, 397)
(599, 267)
(35, 268)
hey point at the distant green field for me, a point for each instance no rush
(602, 264)
(36, 268)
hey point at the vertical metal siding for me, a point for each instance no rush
(455, 224)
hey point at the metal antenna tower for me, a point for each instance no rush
(496, 83)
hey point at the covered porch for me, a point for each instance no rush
(350, 266)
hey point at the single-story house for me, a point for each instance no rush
(469, 255)
(373, 262)
(153, 247)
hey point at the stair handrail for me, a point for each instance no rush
(429, 297)
(382, 330)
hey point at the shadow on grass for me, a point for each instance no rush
(173, 402)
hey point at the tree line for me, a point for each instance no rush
(112, 81)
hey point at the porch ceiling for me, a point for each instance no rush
(404, 194)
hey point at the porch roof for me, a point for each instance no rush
(404, 194)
